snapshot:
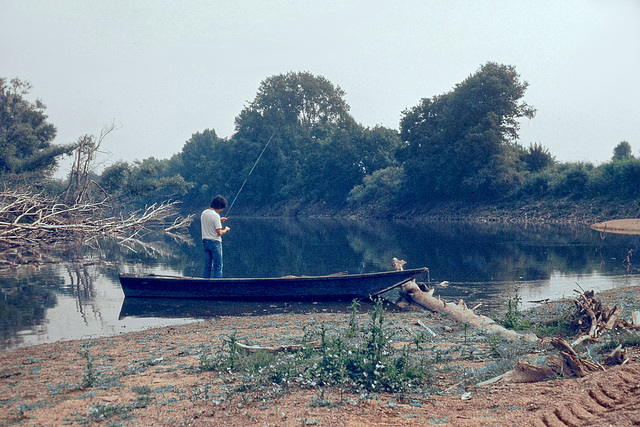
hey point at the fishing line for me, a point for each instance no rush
(245, 181)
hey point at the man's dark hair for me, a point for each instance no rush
(218, 202)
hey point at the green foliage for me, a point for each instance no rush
(297, 100)
(381, 187)
(537, 158)
(572, 180)
(513, 318)
(536, 184)
(624, 337)
(369, 361)
(90, 374)
(114, 178)
(316, 152)
(460, 144)
(147, 180)
(25, 135)
(352, 330)
(622, 151)
(561, 327)
(358, 359)
(618, 178)
(312, 154)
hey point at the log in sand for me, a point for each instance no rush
(458, 312)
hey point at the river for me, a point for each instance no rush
(483, 262)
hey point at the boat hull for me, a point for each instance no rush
(315, 288)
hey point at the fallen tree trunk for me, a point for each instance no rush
(458, 312)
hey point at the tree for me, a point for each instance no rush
(198, 155)
(462, 143)
(303, 115)
(151, 179)
(537, 158)
(346, 157)
(209, 164)
(115, 178)
(25, 135)
(622, 151)
(299, 99)
(85, 152)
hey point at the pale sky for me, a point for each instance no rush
(164, 70)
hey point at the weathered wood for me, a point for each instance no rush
(31, 222)
(458, 312)
(616, 357)
(574, 364)
(523, 372)
(595, 318)
(276, 349)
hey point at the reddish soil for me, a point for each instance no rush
(42, 385)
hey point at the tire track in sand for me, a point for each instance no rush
(609, 398)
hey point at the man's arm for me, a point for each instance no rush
(221, 231)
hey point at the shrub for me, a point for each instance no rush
(618, 178)
(381, 186)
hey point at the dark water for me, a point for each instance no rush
(482, 263)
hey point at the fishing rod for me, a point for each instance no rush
(251, 171)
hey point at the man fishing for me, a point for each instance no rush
(212, 231)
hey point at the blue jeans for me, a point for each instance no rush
(212, 255)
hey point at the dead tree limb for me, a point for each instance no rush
(31, 223)
(458, 312)
(275, 349)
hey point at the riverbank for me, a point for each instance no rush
(556, 211)
(169, 376)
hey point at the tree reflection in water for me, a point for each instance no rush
(26, 295)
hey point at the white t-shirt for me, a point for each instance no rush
(210, 222)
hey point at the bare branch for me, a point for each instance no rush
(31, 223)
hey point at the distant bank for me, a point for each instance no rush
(536, 211)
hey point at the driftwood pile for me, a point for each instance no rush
(595, 318)
(31, 223)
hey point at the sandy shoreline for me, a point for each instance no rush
(153, 377)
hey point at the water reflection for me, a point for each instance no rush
(205, 309)
(26, 295)
(483, 263)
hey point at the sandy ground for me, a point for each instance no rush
(152, 378)
(619, 226)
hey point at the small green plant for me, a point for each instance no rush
(145, 389)
(353, 320)
(90, 375)
(561, 327)
(369, 362)
(514, 319)
(214, 361)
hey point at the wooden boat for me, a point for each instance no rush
(310, 288)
